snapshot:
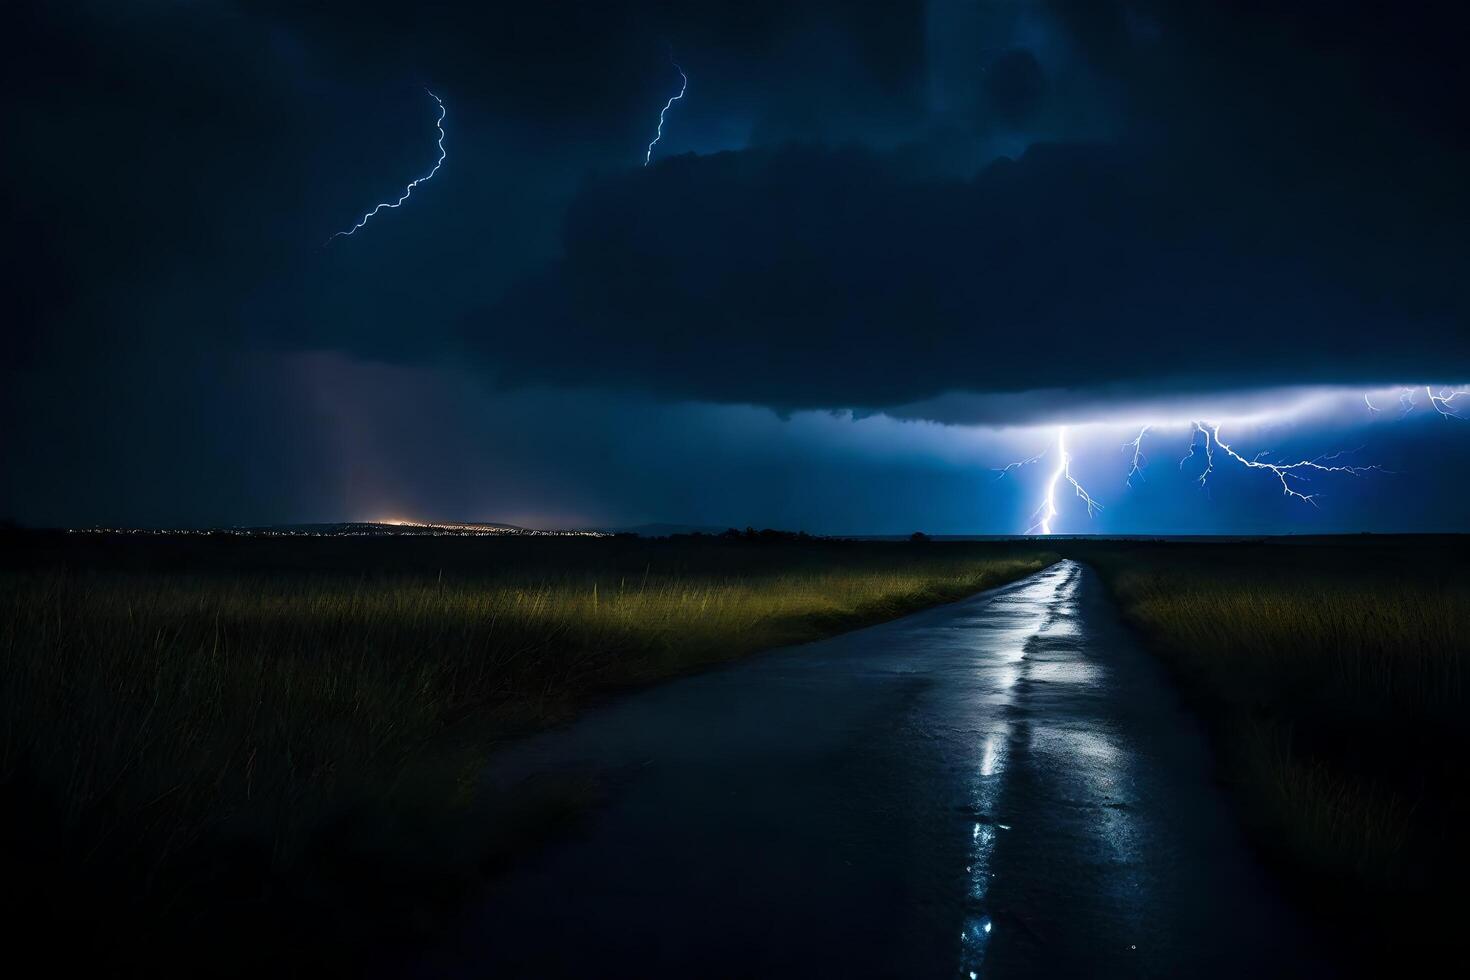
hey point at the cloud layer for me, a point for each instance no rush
(807, 277)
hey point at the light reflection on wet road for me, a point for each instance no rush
(1004, 787)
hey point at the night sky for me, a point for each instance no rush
(882, 250)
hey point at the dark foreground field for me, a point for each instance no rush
(229, 754)
(237, 754)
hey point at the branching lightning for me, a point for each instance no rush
(1294, 476)
(1139, 461)
(1443, 402)
(1001, 471)
(683, 87)
(407, 191)
(1290, 475)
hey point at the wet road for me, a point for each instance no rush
(1004, 787)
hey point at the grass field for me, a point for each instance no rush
(1334, 674)
(269, 744)
(241, 738)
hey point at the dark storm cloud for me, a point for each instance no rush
(806, 277)
(1273, 190)
(1016, 86)
(178, 166)
(1283, 202)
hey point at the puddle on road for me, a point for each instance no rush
(1003, 654)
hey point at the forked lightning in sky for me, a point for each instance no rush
(1290, 475)
(1205, 439)
(407, 191)
(1442, 401)
(1044, 513)
(683, 87)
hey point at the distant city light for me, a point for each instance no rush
(395, 527)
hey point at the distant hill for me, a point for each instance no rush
(419, 528)
(384, 527)
(664, 530)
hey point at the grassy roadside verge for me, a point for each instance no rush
(1333, 674)
(267, 746)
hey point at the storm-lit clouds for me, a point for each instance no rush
(992, 216)
(320, 436)
(605, 460)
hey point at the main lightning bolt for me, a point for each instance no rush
(407, 191)
(1041, 518)
(683, 87)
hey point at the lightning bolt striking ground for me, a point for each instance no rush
(684, 87)
(1041, 518)
(407, 191)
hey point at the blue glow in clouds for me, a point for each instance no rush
(683, 87)
(1293, 476)
(407, 191)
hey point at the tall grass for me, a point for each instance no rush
(1385, 646)
(1335, 676)
(165, 733)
